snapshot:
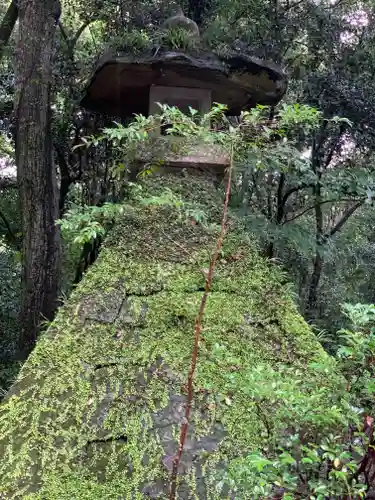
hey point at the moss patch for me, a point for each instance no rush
(97, 408)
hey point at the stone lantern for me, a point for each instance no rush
(97, 410)
(124, 84)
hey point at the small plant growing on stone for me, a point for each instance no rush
(133, 42)
(177, 38)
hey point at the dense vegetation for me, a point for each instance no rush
(303, 186)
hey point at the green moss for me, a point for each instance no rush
(97, 407)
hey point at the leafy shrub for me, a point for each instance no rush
(82, 225)
(356, 353)
(322, 449)
(10, 288)
(315, 471)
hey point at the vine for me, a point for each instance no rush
(197, 335)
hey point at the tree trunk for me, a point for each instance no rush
(314, 283)
(7, 25)
(319, 222)
(35, 168)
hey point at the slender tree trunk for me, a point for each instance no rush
(319, 228)
(318, 258)
(7, 25)
(280, 212)
(35, 168)
(314, 283)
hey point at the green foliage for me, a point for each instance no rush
(273, 192)
(82, 225)
(177, 38)
(134, 42)
(151, 265)
(167, 198)
(10, 218)
(250, 138)
(179, 124)
(10, 290)
(308, 471)
(279, 397)
(138, 141)
(360, 315)
(319, 457)
(6, 146)
(327, 50)
(9, 369)
(297, 114)
(328, 107)
(256, 147)
(137, 41)
(356, 352)
(10, 271)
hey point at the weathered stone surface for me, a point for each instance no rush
(104, 310)
(96, 411)
(121, 82)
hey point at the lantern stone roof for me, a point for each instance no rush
(121, 81)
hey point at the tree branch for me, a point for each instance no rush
(80, 31)
(295, 190)
(341, 222)
(290, 6)
(63, 32)
(333, 6)
(71, 42)
(335, 144)
(312, 208)
(337, 227)
(280, 199)
(7, 25)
